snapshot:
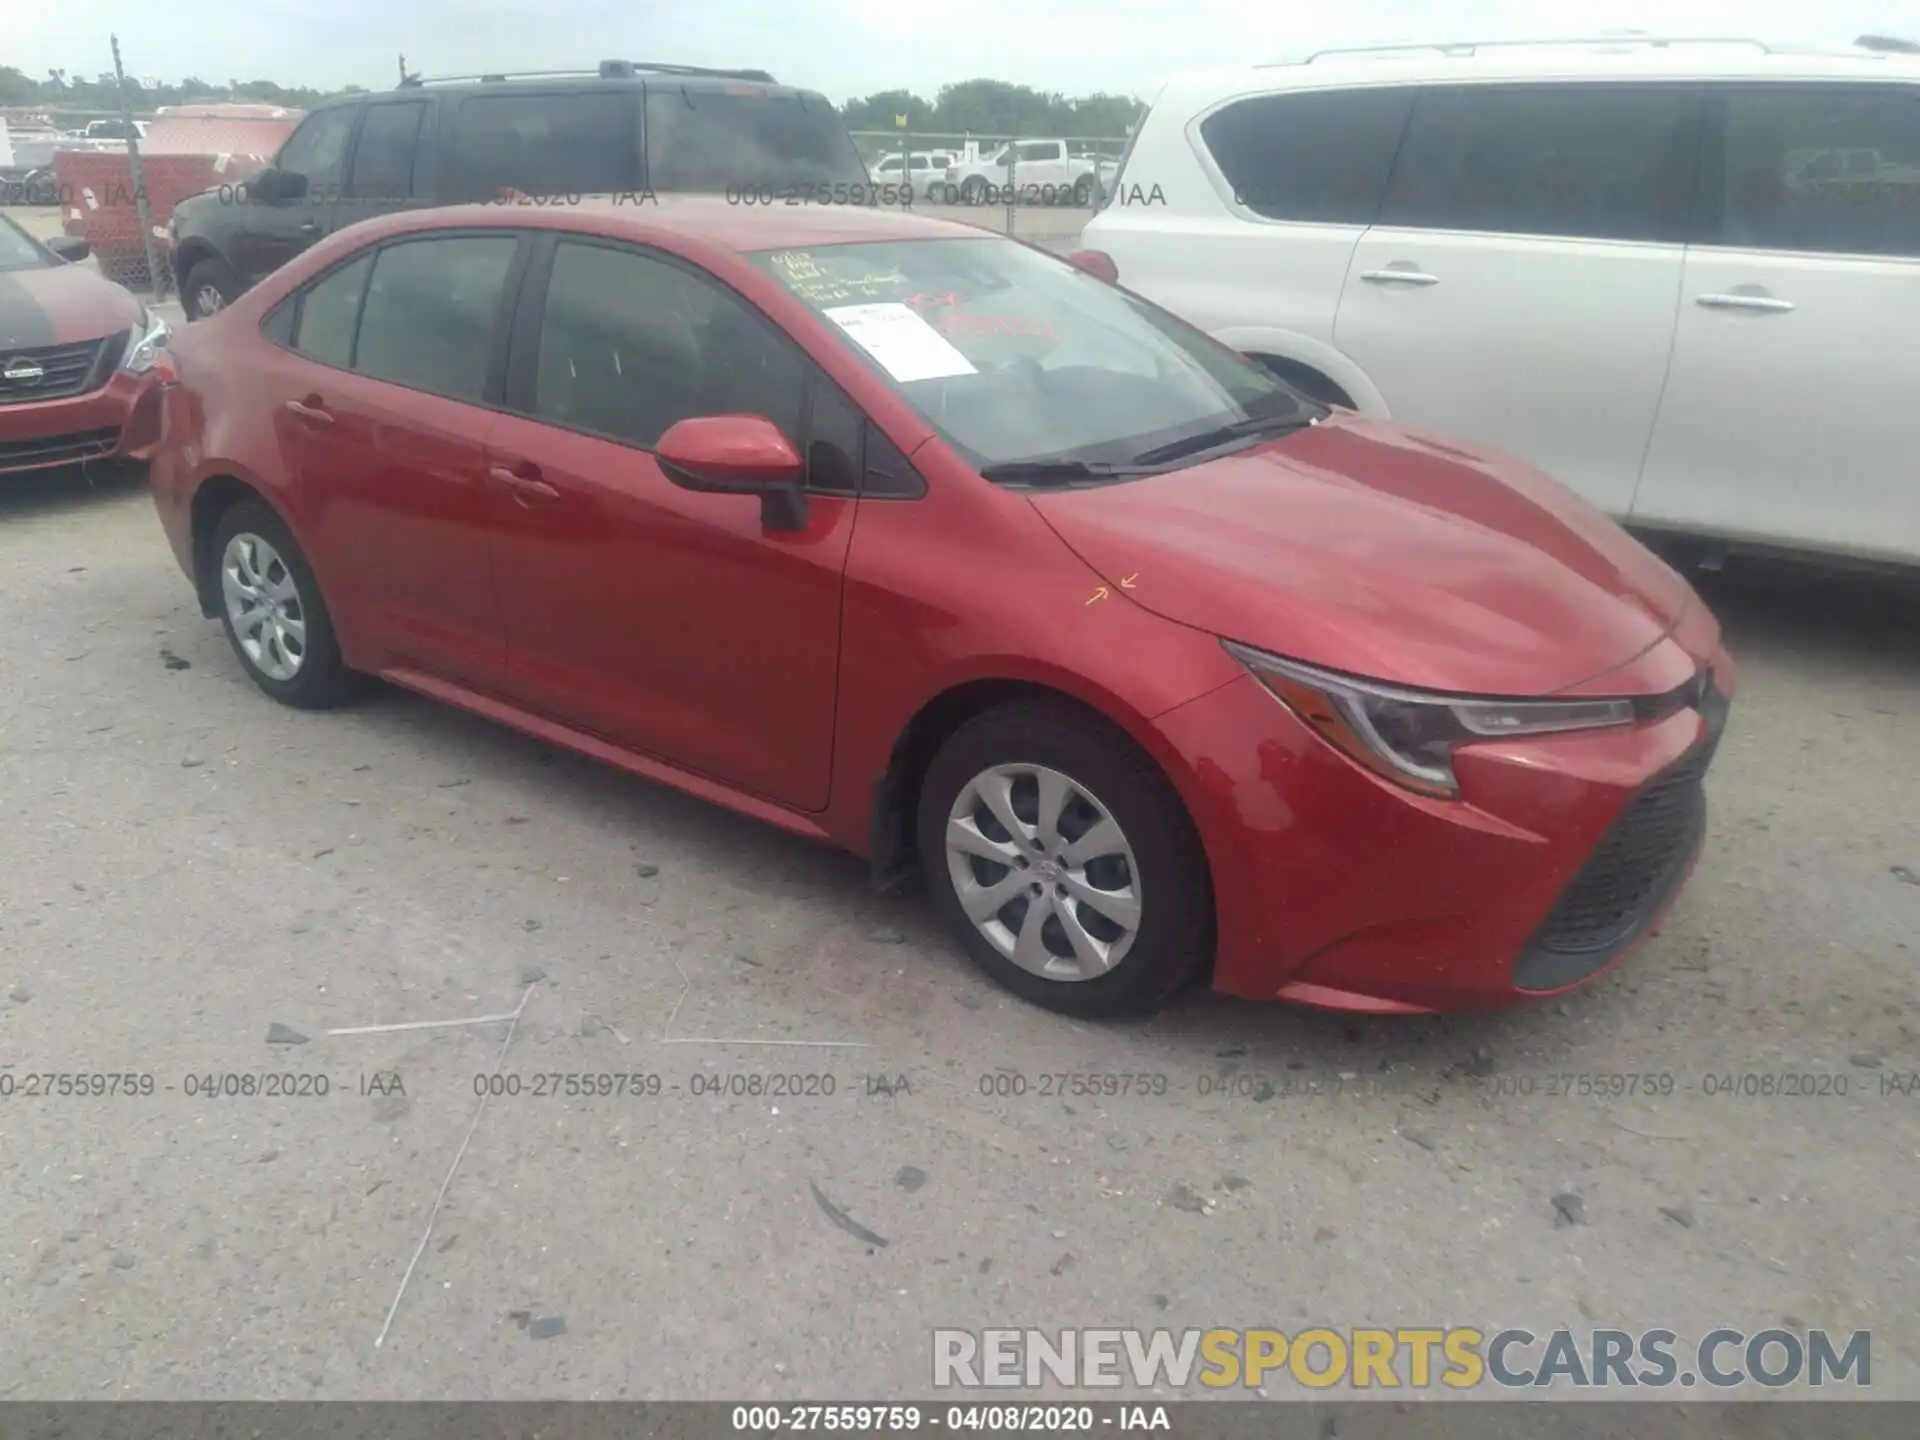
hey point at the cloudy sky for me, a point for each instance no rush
(843, 47)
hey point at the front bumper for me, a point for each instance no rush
(1338, 889)
(117, 421)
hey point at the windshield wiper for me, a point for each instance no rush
(1223, 435)
(1061, 471)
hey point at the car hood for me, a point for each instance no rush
(58, 305)
(1364, 547)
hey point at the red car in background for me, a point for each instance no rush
(920, 541)
(76, 359)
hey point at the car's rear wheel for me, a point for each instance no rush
(1083, 192)
(1064, 861)
(210, 286)
(274, 615)
(973, 191)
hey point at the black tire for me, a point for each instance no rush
(1174, 938)
(973, 191)
(322, 678)
(1083, 193)
(208, 274)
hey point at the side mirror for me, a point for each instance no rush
(1096, 263)
(272, 184)
(737, 455)
(70, 248)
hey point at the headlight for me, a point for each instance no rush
(144, 345)
(1409, 736)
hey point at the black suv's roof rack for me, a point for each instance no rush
(607, 70)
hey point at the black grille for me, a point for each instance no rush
(1630, 874)
(64, 370)
(57, 449)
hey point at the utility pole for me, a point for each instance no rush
(154, 278)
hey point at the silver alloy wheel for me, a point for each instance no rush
(1044, 871)
(208, 299)
(264, 606)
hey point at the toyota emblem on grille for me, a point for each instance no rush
(22, 371)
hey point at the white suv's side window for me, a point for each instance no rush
(1822, 170)
(1315, 156)
(1605, 162)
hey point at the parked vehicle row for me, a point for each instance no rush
(626, 128)
(1681, 277)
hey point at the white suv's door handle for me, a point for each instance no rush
(1399, 277)
(1738, 301)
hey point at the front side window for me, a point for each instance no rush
(1820, 169)
(330, 314)
(430, 313)
(540, 145)
(1015, 356)
(1604, 162)
(705, 139)
(630, 344)
(1320, 158)
(318, 149)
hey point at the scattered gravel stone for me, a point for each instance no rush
(388, 1108)
(122, 1260)
(645, 871)
(531, 974)
(1184, 1198)
(1569, 1209)
(887, 935)
(1679, 1215)
(910, 1178)
(1418, 1137)
(278, 1034)
(20, 994)
(548, 1326)
(1865, 1061)
(1062, 1265)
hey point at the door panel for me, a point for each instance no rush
(271, 232)
(1554, 350)
(389, 166)
(1521, 286)
(1788, 416)
(668, 620)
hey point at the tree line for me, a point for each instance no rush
(979, 107)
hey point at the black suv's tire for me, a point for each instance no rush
(254, 554)
(208, 285)
(1121, 876)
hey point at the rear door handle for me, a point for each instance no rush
(309, 411)
(1391, 276)
(527, 489)
(312, 227)
(1741, 301)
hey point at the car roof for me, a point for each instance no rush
(711, 220)
(1617, 59)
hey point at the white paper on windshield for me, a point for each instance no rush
(907, 347)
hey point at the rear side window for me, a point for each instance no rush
(572, 144)
(330, 313)
(702, 139)
(383, 159)
(430, 313)
(1606, 162)
(1815, 169)
(1318, 157)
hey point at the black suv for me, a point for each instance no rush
(547, 137)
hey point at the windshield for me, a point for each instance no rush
(1014, 356)
(17, 252)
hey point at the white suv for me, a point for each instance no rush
(1681, 276)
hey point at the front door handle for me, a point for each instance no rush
(527, 489)
(1393, 276)
(1741, 300)
(309, 410)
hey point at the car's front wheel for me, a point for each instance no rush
(275, 617)
(1064, 861)
(208, 287)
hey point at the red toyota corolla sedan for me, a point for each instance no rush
(76, 356)
(914, 539)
